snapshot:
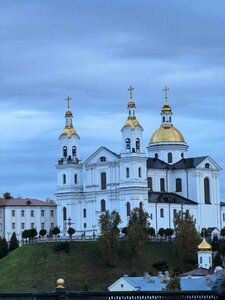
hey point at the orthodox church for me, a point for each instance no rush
(162, 180)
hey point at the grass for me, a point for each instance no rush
(36, 267)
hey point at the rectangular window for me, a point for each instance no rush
(42, 225)
(42, 213)
(13, 225)
(224, 217)
(84, 213)
(0, 226)
(13, 213)
(32, 225)
(22, 226)
(162, 185)
(0, 213)
(52, 213)
(103, 181)
(150, 183)
(52, 225)
(85, 225)
(150, 216)
(32, 213)
(161, 212)
(174, 213)
(22, 213)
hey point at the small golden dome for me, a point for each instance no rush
(68, 131)
(166, 109)
(60, 283)
(204, 246)
(167, 133)
(68, 113)
(131, 104)
(132, 122)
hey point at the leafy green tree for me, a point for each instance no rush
(179, 219)
(222, 232)
(169, 232)
(187, 239)
(151, 231)
(4, 250)
(32, 233)
(7, 195)
(174, 283)
(25, 234)
(215, 244)
(161, 232)
(42, 232)
(137, 231)
(109, 236)
(13, 243)
(217, 261)
(124, 230)
(56, 230)
(71, 231)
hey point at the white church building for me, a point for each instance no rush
(163, 179)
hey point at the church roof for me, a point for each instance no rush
(184, 163)
(25, 202)
(163, 197)
(199, 272)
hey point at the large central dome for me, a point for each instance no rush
(167, 133)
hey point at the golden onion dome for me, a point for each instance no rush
(204, 246)
(68, 131)
(132, 122)
(167, 133)
(68, 113)
(131, 104)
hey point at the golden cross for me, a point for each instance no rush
(68, 100)
(131, 90)
(166, 89)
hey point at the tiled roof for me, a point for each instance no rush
(163, 197)
(25, 202)
(184, 163)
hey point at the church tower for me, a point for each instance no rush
(69, 172)
(167, 143)
(133, 174)
(204, 255)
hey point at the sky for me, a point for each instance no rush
(92, 50)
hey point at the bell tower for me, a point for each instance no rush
(69, 171)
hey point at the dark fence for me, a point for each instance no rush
(62, 294)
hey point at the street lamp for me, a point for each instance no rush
(94, 234)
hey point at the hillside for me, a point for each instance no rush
(36, 267)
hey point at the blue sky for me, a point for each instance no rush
(93, 51)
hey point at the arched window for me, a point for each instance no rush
(170, 158)
(127, 172)
(128, 209)
(207, 191)
(75, 178)
(170, 119)
(156, 155)
(65, 151)
(103, 206)
(149, 183)
(207, 166)
(182, 155)
(103, 181)
(163, 119)
(64, 178)
(141, 205)
(178, 185)
(128, 144)
(139, 172)
(162, 185)
(64, 214)
(74, 151)
(137, 144)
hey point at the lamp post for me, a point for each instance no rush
(94, 234)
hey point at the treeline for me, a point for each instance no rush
(6, 247)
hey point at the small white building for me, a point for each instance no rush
(18, 214)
